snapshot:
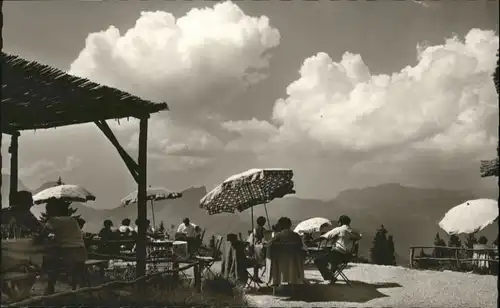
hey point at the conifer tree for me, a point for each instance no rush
(161, 229)
(470, 240)
(71, 211)
(438, 241)
(391, 254)
(378, 252)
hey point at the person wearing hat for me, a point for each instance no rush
(187, 231)
(344, 237)
(67, 246)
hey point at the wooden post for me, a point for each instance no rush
(1, 167)
(175, 273)
(13, 150)
(198, 268)
(412, 250)
(142, 198)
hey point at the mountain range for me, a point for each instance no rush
(410, 214)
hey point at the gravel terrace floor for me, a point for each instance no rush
(389, 286)
(379, 286)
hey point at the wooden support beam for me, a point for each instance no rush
(142, 198)
(1, 167)
(129, 161)
(14, 165)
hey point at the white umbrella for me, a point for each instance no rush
(312, 225)
(73, 193)
(469, 217)
(152, 194)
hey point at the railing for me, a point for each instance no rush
(455, 257)
(176, 261)
(197, 266)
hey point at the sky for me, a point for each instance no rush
(347, 94)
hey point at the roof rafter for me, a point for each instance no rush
(37, 96)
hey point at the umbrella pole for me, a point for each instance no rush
(153, 213)
(267, 217)
(253, 236)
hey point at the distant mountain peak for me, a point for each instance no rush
(195, 189)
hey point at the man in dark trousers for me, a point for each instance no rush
(344, 237)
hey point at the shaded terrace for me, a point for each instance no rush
(37, 96)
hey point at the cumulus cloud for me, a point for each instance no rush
(447, 94)
(47, 170)
(439, 112)
(198, 63)
(428, 123)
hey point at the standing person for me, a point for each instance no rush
(125, 227)
(344, 237)
(187, 231)
(69, 248)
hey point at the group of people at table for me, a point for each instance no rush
(59, 241)
(287, 251)
(186, 231)
(63, 240)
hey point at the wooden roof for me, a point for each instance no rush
(37, 96)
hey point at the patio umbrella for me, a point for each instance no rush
(72, 193)
(152, 194)
(247, 189)
(312, 225)
(469, 217)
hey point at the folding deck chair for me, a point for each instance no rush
(314, 251)
(350, 257)
(208, 261)
(252, 280)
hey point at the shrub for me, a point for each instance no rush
(218, 284)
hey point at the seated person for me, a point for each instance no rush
(20, 217)
(125, 228)
(149, 232)
(287, 254)
(481, 254)
(344, 237)
(197, 242)
(107, 234)
(308, 238)
(69, 247)
(276, 228)
(286, 235)
(258, 232)
(242, 262)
